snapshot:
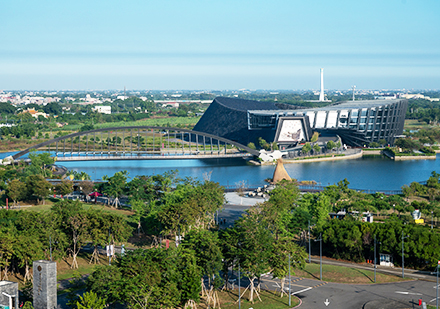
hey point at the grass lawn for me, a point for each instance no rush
(414, 124)
(49, 202)
(65, 272)
(228, 300)
(161, 122)
(341, 274)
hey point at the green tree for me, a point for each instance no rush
(316, 148)
(315, 137)
(306, 148)
(65, 187)
(16, 190)
(90, 300)
(38, 186)
(206, 246)
(331, 145)
(71, 217)
(116, 185)
(255, 244)
(263, 144)
(283, 249)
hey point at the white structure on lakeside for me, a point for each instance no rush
(321, 94)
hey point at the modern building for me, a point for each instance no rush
(358, 123)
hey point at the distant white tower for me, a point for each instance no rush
(321, 94)
(354, 88)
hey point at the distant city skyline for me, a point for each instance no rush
(172, 44)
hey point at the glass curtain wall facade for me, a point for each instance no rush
(358, 123)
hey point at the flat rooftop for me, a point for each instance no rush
(332, 107)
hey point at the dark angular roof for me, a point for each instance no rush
(244, 105)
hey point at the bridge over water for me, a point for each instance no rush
(140, 143)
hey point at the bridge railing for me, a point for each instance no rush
(310, 188)
(140, 139)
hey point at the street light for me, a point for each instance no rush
(239, 291)
(320, 255)
(403, 255)
(436, 296)
(290, 280)
(375, 255)
(310, 247)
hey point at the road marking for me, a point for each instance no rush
(302, 291)
(433, 299)
(408, 293)
(318, 285)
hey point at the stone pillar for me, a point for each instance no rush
(11, 297)
(45, 284)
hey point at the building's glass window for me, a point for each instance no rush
(331, 119)
(363, 120)
(364, 112)
(370, 127)
(372, 112)
(371, 120)
(353, 126)
(311, 118)
(262, 121)
(353, 120)
(320, 119)
(343, 119)
(362, 127)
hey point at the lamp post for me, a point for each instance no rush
(436, 296)
(320, 255)
(239, 291)
(375, 255)
(403, 255)
(437, 269)
(310, 247)
(290, 294)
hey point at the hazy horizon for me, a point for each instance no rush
(226, 44)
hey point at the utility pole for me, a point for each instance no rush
(310, 247)
(320, 255)
(375, 255)
(403, 255)
(436, 273)
(290, 280)
(239, 291)
(436, 296)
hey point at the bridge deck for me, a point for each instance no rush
(151, 157)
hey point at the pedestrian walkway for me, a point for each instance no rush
(234, 198)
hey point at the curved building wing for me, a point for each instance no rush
(228, 118)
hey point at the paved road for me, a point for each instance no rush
(314, 294)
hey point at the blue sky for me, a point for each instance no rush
(210, 44)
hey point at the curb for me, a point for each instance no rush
(300, 302)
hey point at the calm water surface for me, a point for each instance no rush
(375, 173)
